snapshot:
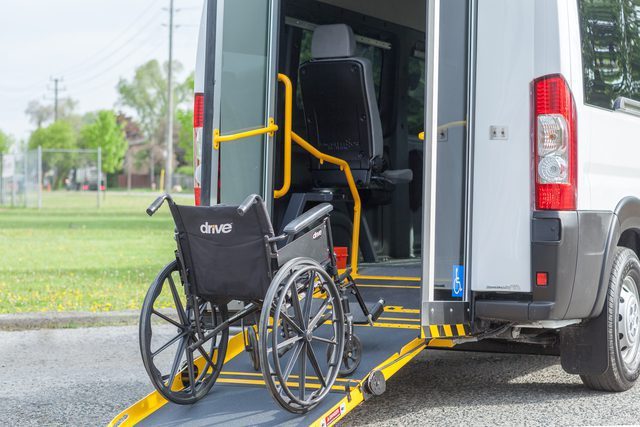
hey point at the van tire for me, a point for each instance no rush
(623, 326)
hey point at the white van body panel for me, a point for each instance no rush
(501, 210)
(201, 52)
(611, 177)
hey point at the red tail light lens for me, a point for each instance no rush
(198, 110)
(555, 144)
(198, 128)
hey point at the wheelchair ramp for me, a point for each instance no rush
(240, 397)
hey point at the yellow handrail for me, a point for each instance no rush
(288, 112)
(217, 138)
(322, 157)
(344, 166)
(445, 127)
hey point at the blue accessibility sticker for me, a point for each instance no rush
(457, 281)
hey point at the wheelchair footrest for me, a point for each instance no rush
(359, 318)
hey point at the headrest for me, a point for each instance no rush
(333, 41)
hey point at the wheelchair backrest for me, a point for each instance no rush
(226, 255)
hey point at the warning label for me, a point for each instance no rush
(333, 416)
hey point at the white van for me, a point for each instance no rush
(482, 160)
(481, 157)
(518, 215)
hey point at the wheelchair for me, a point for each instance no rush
(302, 339)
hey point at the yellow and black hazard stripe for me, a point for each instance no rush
(446, 331)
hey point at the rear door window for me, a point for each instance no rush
(610, 32)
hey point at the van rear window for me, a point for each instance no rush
(610, 50)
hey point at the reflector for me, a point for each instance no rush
(198, 124)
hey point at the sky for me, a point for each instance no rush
(90, 44)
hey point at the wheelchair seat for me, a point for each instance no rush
(341, 112)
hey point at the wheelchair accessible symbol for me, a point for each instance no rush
(457, 281)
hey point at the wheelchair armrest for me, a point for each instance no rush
(247, 203)
(308, 219)
(398, 176)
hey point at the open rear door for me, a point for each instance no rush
(447, 156)
(240, 89)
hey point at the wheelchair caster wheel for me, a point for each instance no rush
(184, 374)
(252, 348)
(351, 357)
(376, 384)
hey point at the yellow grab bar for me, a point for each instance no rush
(445, 127)
(288, 112)
(344, 166)
(217, 138)
(289, 135)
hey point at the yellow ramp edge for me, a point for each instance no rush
(154, 400)
(356, 396)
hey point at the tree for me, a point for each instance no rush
(39, 113)
(58, 135)
(6, 141)
(105, 132)
(146, 95)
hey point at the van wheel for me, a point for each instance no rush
(623, 326)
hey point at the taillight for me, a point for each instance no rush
(555, 144)
(198, 128)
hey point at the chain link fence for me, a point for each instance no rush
(25, 176)
(28, 177)
(20, 176)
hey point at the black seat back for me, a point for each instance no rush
(340, 106)
(225, 254)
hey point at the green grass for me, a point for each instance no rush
(71, 256)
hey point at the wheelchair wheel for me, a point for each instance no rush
(169, 327)
(301, 317)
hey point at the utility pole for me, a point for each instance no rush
(99, 153)
(56, 96)
(169, 164)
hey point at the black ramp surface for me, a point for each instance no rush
(240, 398)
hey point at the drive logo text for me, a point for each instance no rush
(207, 228)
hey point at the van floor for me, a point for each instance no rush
(240, 397)
(409, 268)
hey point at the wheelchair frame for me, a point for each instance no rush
(309, 234)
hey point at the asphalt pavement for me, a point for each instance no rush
(86, 376)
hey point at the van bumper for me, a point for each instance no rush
(570, 247)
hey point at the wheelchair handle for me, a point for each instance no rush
(248, 202)
(153, 207)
